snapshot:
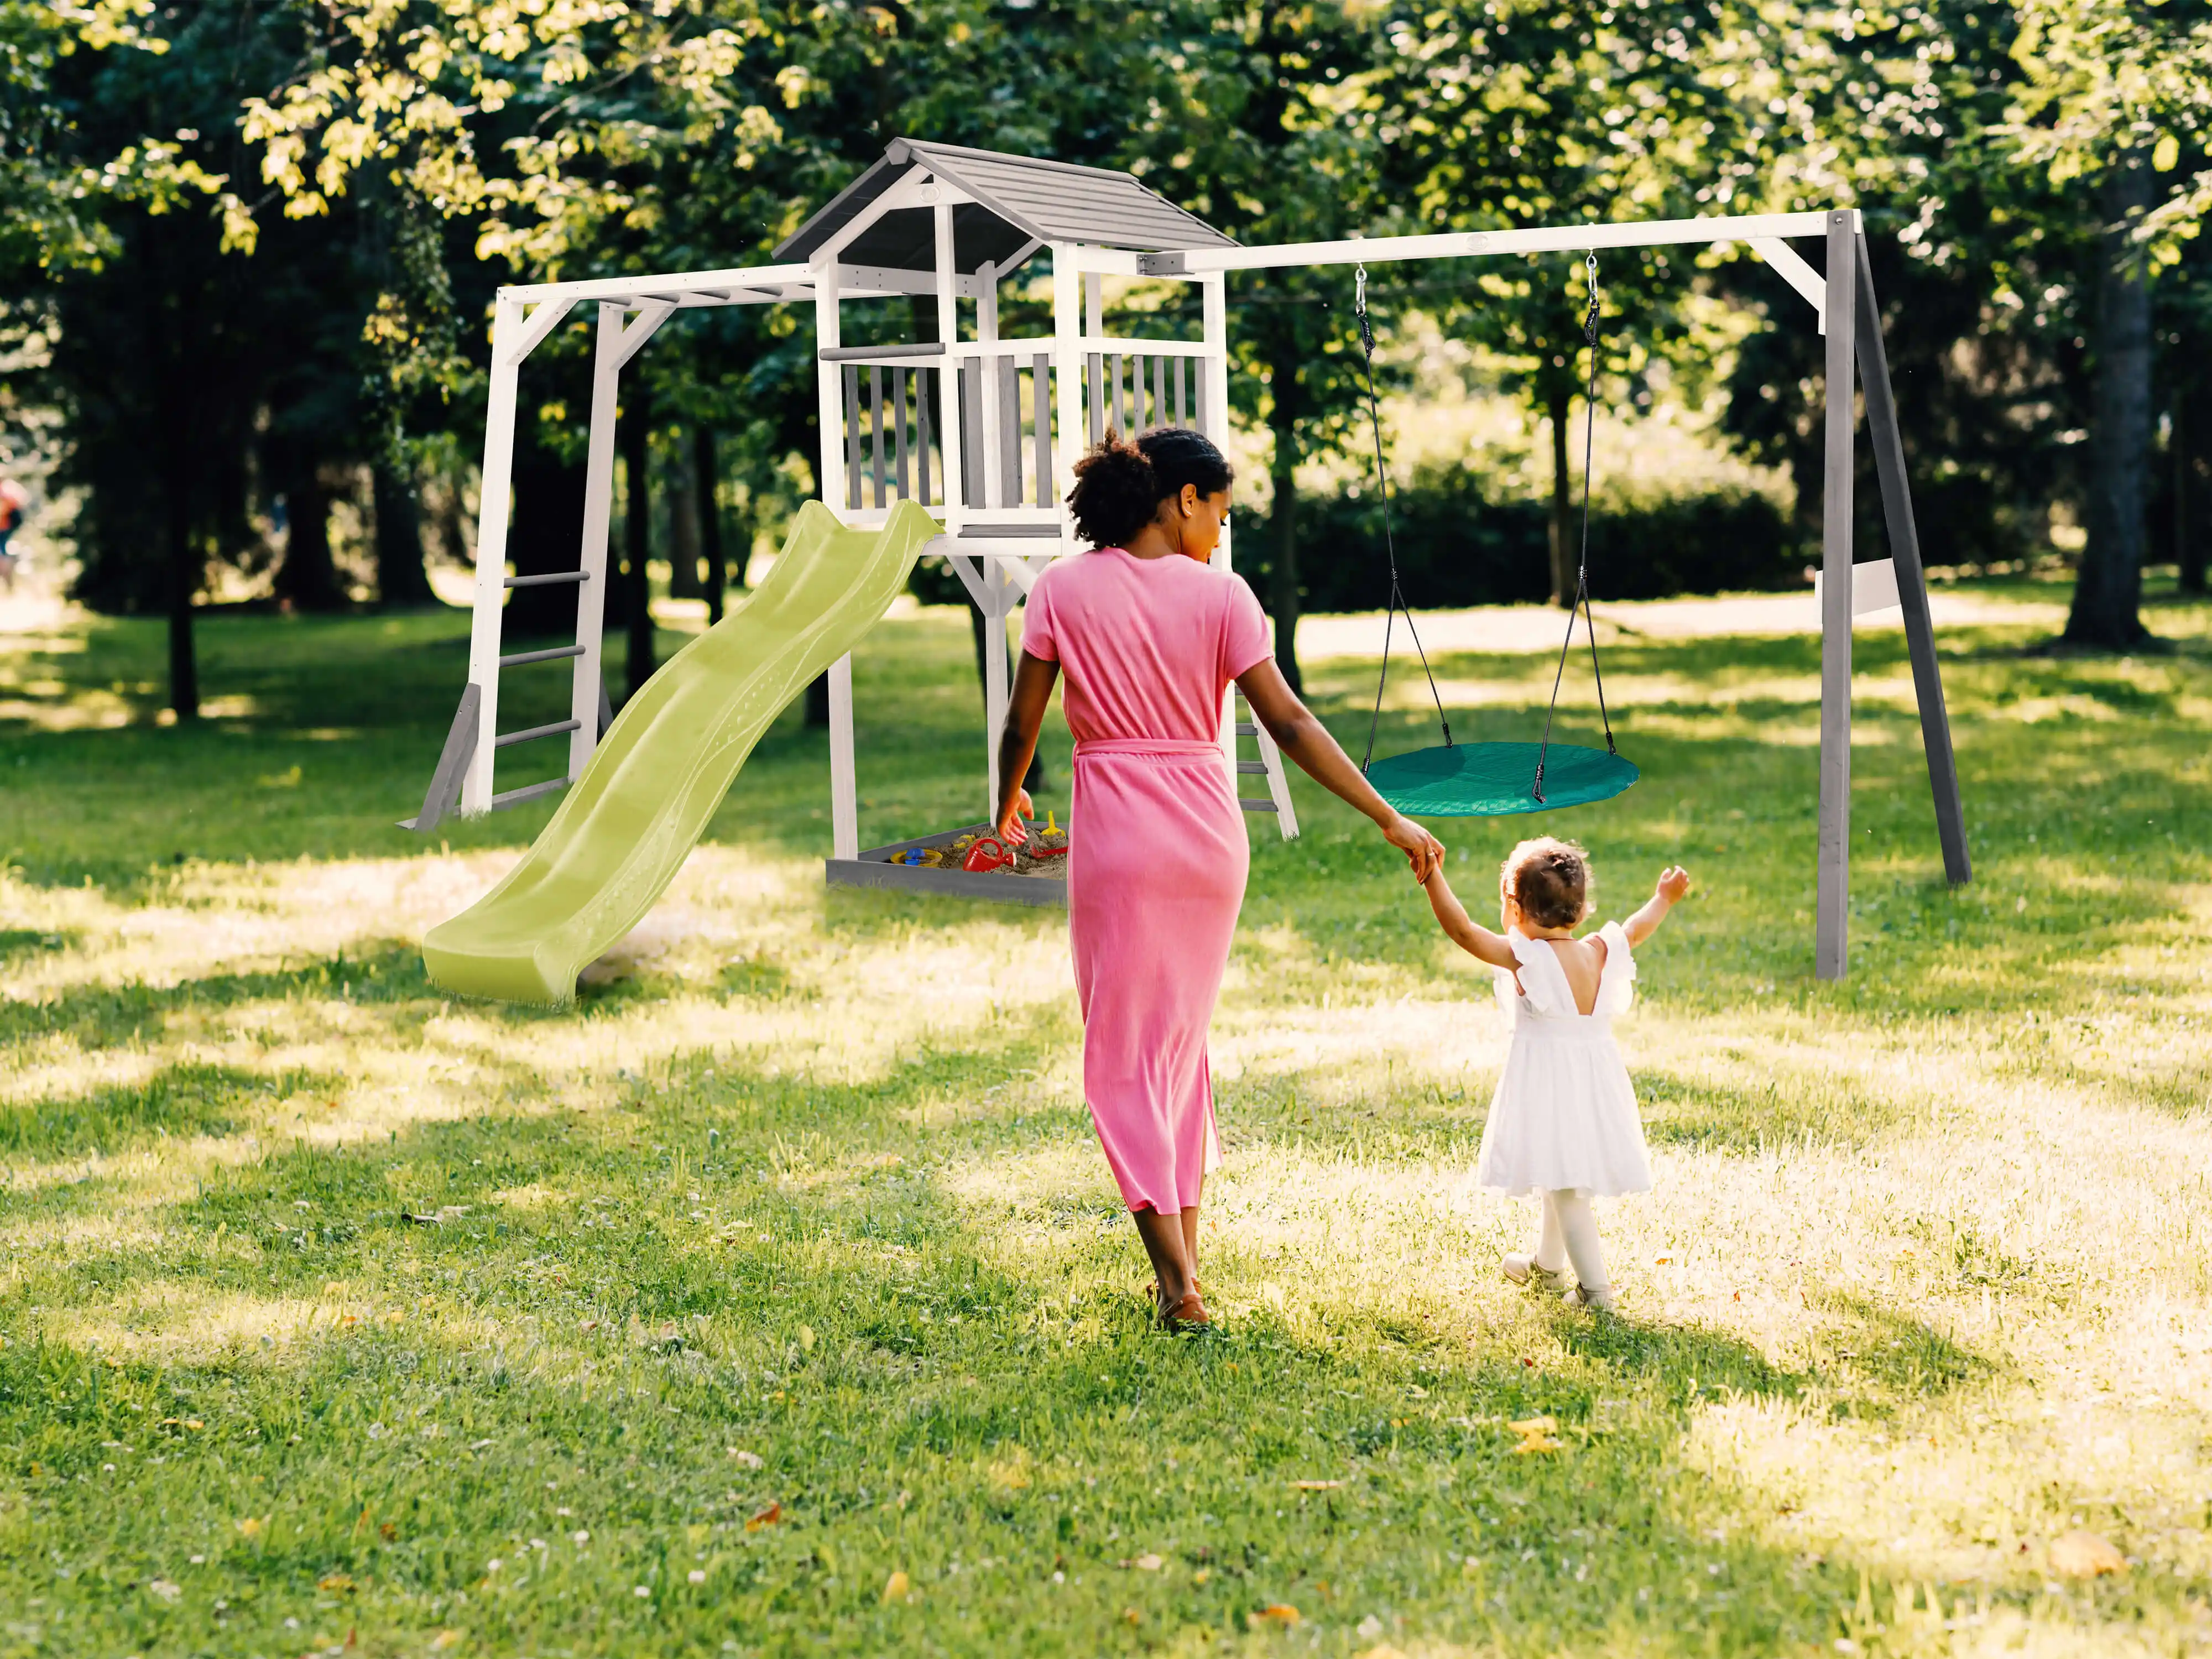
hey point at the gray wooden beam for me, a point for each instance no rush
(443, 798)
(1911, 580)
(1832, 894)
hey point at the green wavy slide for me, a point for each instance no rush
(628, 823)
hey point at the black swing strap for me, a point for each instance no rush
(1582, 572)
(1389, 549)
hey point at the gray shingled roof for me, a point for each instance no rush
(1017, 199)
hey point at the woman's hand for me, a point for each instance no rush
(1423, 850)
(1009, 826)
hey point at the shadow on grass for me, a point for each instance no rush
(177, 1101)
(96, 1015)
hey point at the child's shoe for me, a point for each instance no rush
(1521, 1267)
(1582, 1296)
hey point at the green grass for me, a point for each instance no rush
(342, 1316)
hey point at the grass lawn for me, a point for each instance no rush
(776, 1298)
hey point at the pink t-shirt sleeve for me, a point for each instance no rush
(1243, 630)
(1036, 621)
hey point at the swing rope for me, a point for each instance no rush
(1582, 571)
(1389, 549)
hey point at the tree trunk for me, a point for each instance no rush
(184, 574)
(707, 478)
(1557, 406)
(2188, 525)
(400, 577)
(637, 534)
(1283, 519)
(680, 489)
(2109, 591)
(308, 579)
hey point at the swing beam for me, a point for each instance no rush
(1843, 299)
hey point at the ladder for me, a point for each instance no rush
(1269, 766)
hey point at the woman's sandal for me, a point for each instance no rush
(1187, 1315)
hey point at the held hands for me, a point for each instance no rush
(1422, 851)
(1673, 882)
(1009, 826)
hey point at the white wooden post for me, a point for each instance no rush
(829, 404)
(598, 508)
(829, 388)
(493, 511)
(1214, 302)
(948, 379)
(1067, 380)
(1832, 913)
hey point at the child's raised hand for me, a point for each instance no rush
(1673, 882)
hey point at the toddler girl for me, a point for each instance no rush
(1564, 1121)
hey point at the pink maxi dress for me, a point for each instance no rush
(1157, 855)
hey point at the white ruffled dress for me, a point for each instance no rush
(1564, 1112)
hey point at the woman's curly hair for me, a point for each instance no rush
(1550, 879)
(1120, 484)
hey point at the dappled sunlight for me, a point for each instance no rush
(800, 1203)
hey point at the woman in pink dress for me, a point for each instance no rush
(1150, 639)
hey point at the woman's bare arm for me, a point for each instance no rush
(1034, 678)
(1470, 935)
(1307, 741)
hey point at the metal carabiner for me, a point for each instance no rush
(1359, 290)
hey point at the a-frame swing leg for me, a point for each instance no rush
(1911, 580)
(1832, 893)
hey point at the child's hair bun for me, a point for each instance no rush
(1549, 879)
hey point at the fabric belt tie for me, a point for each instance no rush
(1165, 747)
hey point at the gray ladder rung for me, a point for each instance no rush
(558, 650)
(528, 792)
(548, 581)
(538, 732)
(1252, 805)
(1242, 766)
(1246, 729)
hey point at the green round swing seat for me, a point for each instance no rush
(1493, 779)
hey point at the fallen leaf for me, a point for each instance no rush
(1664, 1258)
(1275, 1613)
(336, 1582)
(751, 1459)
(349, 1319)
(165, 1588)
(766, 1517)
(1201, 1575)
(1535, 1425)
(1536, 1442)
(1315, 1486)
(806, 1338)
(251, 1527)
(897, 1587)
(1148, 1563)
(2085, 1555)
(447, 1638)
(388, 1532)
(1129, 1615)
(395, 1317)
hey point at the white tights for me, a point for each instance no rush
(1569, 1234)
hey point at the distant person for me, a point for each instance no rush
(14, 503)
(1563, 1123)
